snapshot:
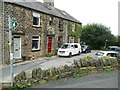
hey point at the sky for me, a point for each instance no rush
(103, 12)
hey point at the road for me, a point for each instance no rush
(44, 64)
(102, 80)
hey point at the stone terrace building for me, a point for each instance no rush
(42, 28)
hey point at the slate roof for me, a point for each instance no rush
(45, 9)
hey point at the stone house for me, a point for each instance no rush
(41, 29)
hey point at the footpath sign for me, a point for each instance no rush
(14, 23)
(12, 26)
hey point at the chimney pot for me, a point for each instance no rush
(49, 2)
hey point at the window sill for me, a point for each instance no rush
(36, 50)
(37, 26)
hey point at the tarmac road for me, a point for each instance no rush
(101, 80)
(43, 63)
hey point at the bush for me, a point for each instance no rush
(106, 57)
(49, 54)
(79, 74)
(107, 70)
(88, 57)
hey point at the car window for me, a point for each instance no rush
(118, 49)
(99, 54)
(82, 46)
(118, 54)
(65, 46)
(112, 54)
(76, 46)
(72, 46)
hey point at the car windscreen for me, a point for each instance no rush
(65, 46)
(99, 54)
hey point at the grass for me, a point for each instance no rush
(107, 70)
(79, 74)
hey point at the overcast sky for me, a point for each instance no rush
(92, 11)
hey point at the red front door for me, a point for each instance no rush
(49, 44)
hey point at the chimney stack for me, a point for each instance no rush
(49, 2)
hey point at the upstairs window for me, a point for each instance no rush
(35, 43)
(36, 19)
(73, 27)
(51, 20)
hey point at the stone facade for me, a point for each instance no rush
(47, 37)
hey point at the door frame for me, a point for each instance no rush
(51, 44)
(20, 47)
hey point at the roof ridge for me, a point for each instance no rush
(45, 9)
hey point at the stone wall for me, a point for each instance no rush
(81, 66)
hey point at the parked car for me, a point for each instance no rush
(69, 49)
(112, 48)
(86, 49)
(118, 49)
(101, 54)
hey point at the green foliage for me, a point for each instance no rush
(49, 54)
(79, 74)
(77, 32)
(88, 57)
(7, 88)
(21, 86)
(118, 40)
(107, 70)
(96, 35)
(106, 57)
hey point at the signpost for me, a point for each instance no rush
(12, 26)
(14, 23)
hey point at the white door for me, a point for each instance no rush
(17, 47)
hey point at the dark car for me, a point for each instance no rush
(118, 49)
(112, 48)
(86, 49)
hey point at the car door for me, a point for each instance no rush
(76, 49)
(72, 49)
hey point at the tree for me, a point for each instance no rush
(96, 35)
(76, 34)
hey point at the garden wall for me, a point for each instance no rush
(40, 76)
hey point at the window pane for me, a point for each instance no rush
(76, 46)
(35, 44)
(35, 37)
(35, 21)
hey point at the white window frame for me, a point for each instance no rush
(37, 15)
(73, 27)
(71, 39)
(38, 42)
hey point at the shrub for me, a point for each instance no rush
(49, 54)
(79, 74)
(88, 57)
(107, 70)
(106, 57)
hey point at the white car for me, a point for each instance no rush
(69, 49)
(100, 54)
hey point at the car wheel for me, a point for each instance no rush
(90, 51)
(79, 53)
(70, 55)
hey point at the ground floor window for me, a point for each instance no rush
(71, 39)
(35, 42)
(60, 41)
